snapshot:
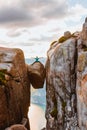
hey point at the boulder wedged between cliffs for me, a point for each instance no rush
(36, 73)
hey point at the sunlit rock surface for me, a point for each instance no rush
(84, 33)
(66, 83)
(61, 110)
(81, 88)
(14, 87)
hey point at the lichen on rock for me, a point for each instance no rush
(2, 77)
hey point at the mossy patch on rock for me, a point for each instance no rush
(2, 77)
(53, 43)
(85, 49)
(63, 105)
(62, 39)
(54, 112)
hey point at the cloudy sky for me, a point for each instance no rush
(33, 24)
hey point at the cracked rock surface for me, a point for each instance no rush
(66, 83)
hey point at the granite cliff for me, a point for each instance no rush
(66, 82)
(15, 79)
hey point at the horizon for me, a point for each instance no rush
(32, 25)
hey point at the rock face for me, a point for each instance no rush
(81, 88)
(14, 87)
(66, 78)
(61, 111)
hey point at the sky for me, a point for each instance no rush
(32, 25)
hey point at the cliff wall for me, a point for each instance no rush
(66, 82)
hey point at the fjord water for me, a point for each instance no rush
(37, 117)
(38, 104)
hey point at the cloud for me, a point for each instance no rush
(55, 29)
(42, 39)
(12, 14)
(56, 10)
(4, 43)
(77, 14)
(15, 17)
(13, 33)
(77, 10)
(24, 13)
(16, 44)
(30, 13)
(26, 43)
(17, 32)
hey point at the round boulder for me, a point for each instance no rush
(67, 34)
(36, 73)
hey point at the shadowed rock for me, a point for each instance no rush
(14, 87)
(16, 127)
(43, 129)
(36, 73)
(15, 78)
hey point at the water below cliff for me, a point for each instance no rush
(37, 117)
(37, 109)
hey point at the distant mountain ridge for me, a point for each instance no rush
(32, 60)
